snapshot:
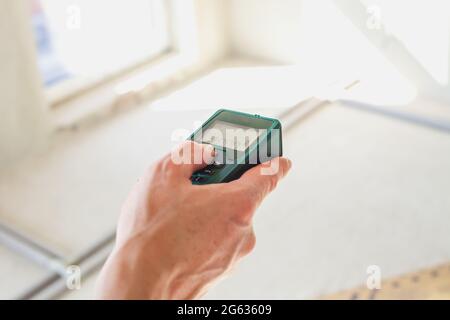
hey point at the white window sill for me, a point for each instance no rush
(143, 84)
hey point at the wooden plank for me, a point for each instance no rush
(433, 283)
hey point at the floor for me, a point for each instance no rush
(431, 283)
(364, 190)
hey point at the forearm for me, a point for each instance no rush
(139, 271)
(133, 271)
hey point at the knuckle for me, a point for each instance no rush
(247, 205)
(170, 165)
(159, 166)
(273, 182)
(230, 229)
(250, 244)
(165, 165)
(244, 213)
(166, 168)
(182, 153)
(187, 144)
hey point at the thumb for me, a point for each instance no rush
(192, 156)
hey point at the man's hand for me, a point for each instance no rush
(174, 239)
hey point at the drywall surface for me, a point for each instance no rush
(265, 29)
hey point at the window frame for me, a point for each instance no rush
(67, 90)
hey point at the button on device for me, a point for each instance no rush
(208, 171)
(198, 179)
(219, 158)
(218, 165)
(203, 174)
(219, 161)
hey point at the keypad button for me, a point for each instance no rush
(198, 179)
(209, 172)
(218, 165)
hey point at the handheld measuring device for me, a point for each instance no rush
(241, 141)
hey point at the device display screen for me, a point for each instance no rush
(241, 141)
(231, 136)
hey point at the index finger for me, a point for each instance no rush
(263, 179)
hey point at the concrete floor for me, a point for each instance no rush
(364, 190)
(17, 274)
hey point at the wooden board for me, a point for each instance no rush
(433, 283)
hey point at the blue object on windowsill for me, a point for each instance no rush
(52, 70)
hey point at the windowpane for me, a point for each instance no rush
(96, 38)
(422, 27)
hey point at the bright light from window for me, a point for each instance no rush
(333, 46)
(423, 27)
(93, 39)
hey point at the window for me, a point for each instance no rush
(413, 34)
(423, 29)
(91, 40)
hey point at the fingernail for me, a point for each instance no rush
(210, 149)
(209, 153)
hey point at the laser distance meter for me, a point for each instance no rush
(241, 141)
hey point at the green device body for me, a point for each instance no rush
(241, 141)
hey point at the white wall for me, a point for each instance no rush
(211, 22)
(267, 29)
(293, 31)
(22, 110)
(333, 35)
(311, 34)
(199, 30)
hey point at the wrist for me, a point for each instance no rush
(142, 269)
(133, 271)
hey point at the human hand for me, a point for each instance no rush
(174, 239)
